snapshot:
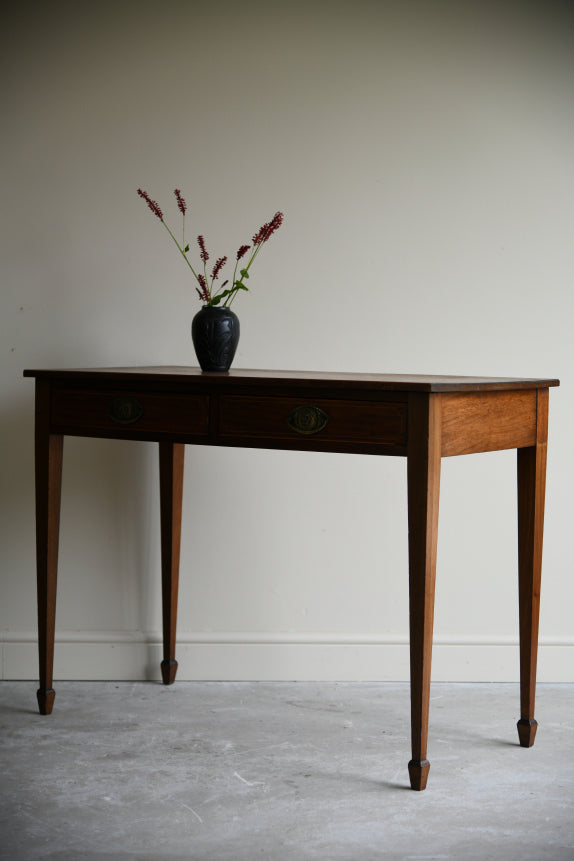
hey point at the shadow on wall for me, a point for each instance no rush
(17, 476)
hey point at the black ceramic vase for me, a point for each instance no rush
(215, 335)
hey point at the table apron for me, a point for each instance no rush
(487, 421)
(470, 421)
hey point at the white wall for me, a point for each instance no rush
(422, 154)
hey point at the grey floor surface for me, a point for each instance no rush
(140, 772)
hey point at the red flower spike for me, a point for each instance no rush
(268, 229)
(204, 255)
(258, 237)
(151, 203)
(243, 251)
(204, 293)
(218, 266)
(181, 204)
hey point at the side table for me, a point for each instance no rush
(423, 418)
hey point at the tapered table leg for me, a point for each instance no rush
(531, 475)
(423, 466)
(171, 459)
(48, 453)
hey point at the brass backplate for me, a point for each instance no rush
(125, 410)
(307, 419)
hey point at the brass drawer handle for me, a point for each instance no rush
(125, 411)
(307, 419)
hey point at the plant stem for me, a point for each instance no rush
(181, 251)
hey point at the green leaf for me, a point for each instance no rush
(244, 273)
(186, 249)
(222, 295)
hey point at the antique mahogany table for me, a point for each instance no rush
(422, 418)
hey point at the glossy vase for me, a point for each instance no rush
(215, 335)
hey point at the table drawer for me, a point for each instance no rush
(337, 421)
(123, 411)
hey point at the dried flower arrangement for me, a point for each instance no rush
(207, 290)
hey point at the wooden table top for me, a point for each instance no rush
(310, 379)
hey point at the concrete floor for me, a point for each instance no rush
(210, 771)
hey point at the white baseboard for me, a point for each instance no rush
(121, 656)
